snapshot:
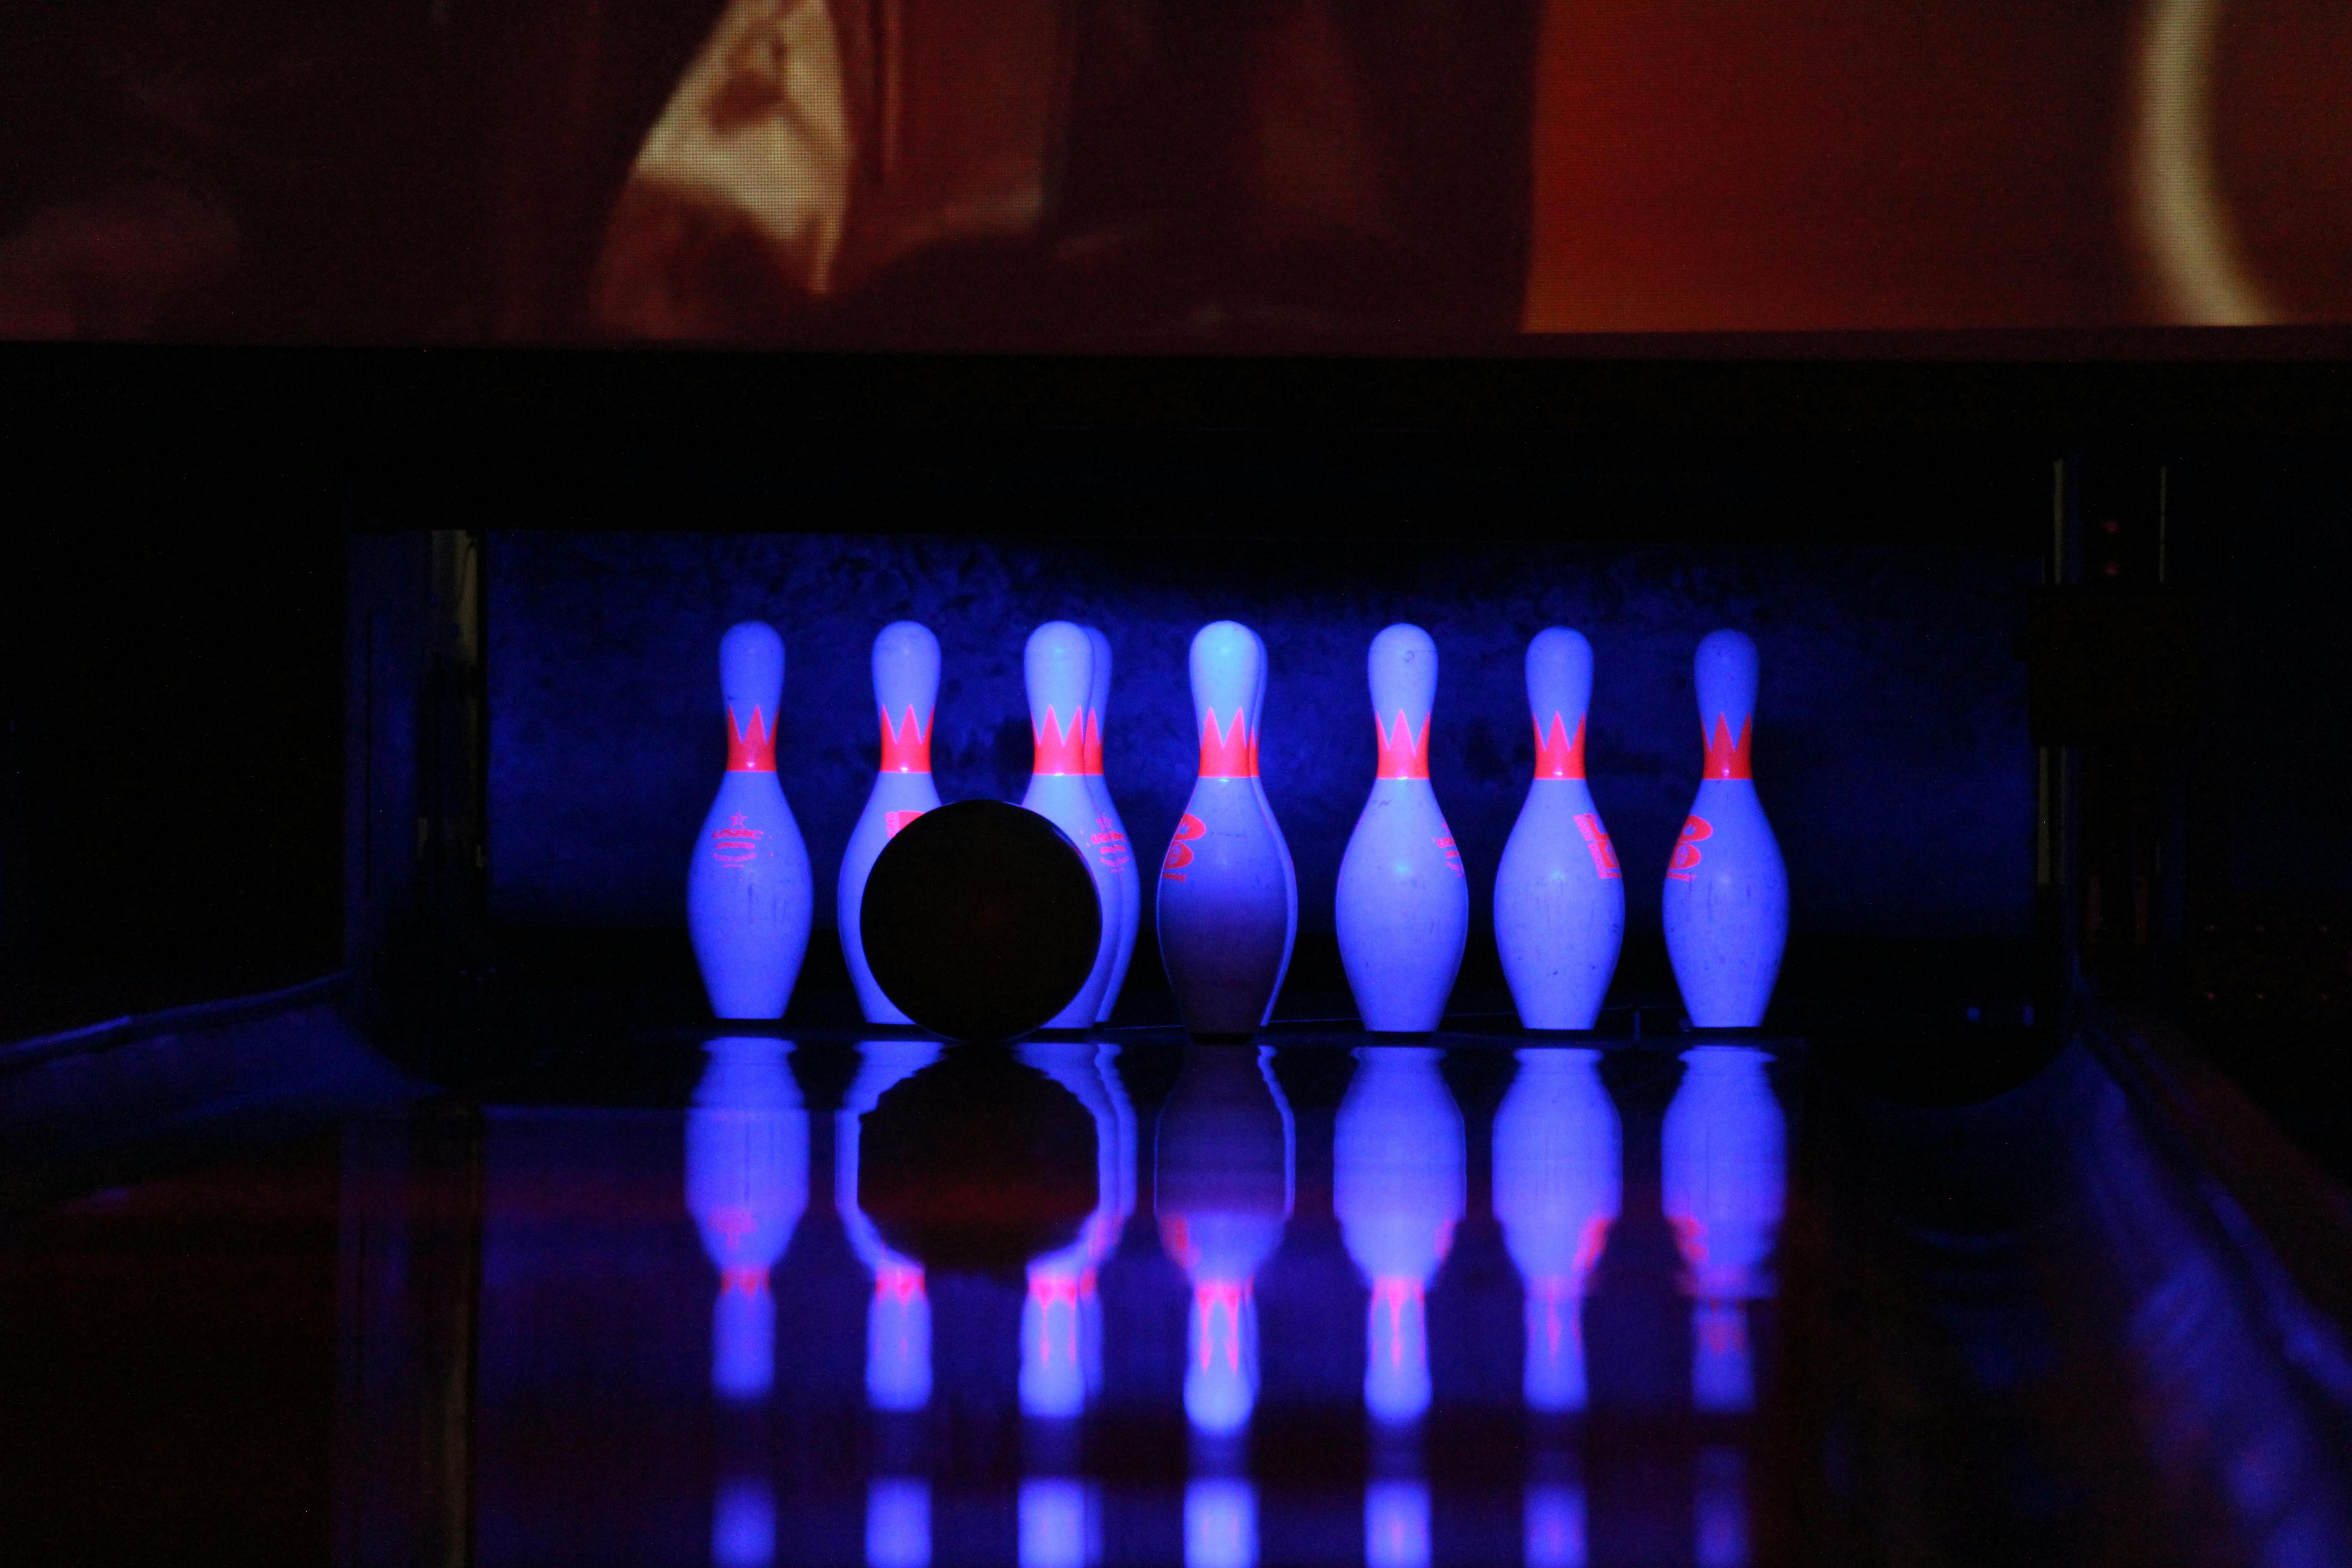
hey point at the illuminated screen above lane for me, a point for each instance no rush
(1141, 174)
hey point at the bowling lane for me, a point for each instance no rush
(1687, 1299)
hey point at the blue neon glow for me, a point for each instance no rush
(898, 1316)
(1398, 1187)
(746, 1186)
(1557, 1192)
(1725, 1158)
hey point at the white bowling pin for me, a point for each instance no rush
(1559, 898)
(1403, 907)
(1111, 833)
(1397, 1187)
(748, 895)
(1556, 1190)
(1289, 867)
(1727, 899)
(1227, 896)
(906, 691)
(1059, 666)
(746, 1186)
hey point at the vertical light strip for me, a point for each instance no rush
(2183, 221)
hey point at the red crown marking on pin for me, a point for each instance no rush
(907, 749)
(1061, 749)
(753, 752)
(1093, 743)
(1560, 755)
(1727, 758)
(1230, 755)
(1403, 755)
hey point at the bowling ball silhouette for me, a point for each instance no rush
(981, 920)
(977, 1163)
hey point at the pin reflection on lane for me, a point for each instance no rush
(1726, 1160)
(746, 1154)
(898, 1318)
(1398, 1187)
(1558, 1187)
(1224, 1188)
(1061, 1321)
(746, 1186)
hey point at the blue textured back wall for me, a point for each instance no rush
(1891, 751)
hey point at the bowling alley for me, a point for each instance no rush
(1100, 784)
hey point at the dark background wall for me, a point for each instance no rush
(1893, 752)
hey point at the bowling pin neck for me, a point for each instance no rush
(1405, 748)
(1061, 744)
(1228, 672)
(1402, 669)
(906, 690)
(1724, 674)
(1228, 750)
(1059, 670)
(1098, 699)
(1727, 753)
(751, 680)
(751, 741)
(1559, 753)
(907, 744)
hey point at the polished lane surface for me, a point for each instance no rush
(745, 1299)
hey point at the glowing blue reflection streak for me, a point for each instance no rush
(898, 1523)
(1398, 1187)
(898, 1318)
(1060, 1523)
(1396, 1524)
(1220, 1523)
(1725, 1186)
(746, 1186)
(1061, 1319)
(1226, 1157)
(1557, 1186)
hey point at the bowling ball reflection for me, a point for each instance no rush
(981, 920)
(978, 1163)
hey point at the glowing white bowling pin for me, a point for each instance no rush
(1725, 1182)
(1227, 897)
(1403, 907)
(1727, 901)
(1224, 1188)
(1059, 668)
(1289, 867)
(748, 896)
(1556, 1189)
(898, 1316)
(1397, 1187)
(906, 691)
(1559, 898)
(1110, 832)
(746, 1186)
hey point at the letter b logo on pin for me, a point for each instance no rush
(1179, 852)
(1687, 851)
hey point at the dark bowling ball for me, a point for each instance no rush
(981, 920)
(978, 1163)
